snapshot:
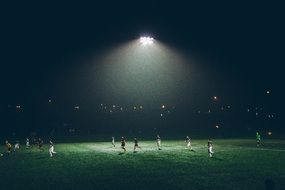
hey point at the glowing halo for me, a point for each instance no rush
(146, 40)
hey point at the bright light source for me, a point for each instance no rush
(146, 40)
(269, 133)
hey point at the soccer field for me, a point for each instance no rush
(237, 164)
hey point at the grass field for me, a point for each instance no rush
(237, 164)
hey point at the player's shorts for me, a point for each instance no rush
(210, 150)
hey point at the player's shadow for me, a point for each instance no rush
(218, 159)
(192, 150)
(121, 153)
(41, 157)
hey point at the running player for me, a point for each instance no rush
(27, 143)
(158, 142)
(258, 139)
(35, 142)
(41, 143)
(8, 146)
(113, 141)
(188, 142)
(16, 146)
(123, 144)
(210, 148)
(136, 144)
(51, 149)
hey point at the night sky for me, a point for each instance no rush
(48, 52)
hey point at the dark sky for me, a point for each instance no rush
(243, 42)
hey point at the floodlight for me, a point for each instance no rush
(146, 40)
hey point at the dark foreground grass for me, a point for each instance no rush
(237, 164)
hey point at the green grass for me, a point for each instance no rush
(237, 164)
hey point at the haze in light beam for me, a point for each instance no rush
(136, 72)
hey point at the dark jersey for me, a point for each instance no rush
(209, 143)
(123, 142)
(8, 146)
(136, 142)
(41, 142)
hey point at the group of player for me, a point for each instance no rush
(158, 144)
(39, 143)
(123, 144)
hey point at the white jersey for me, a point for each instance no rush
(210, 150)
(51, 150)
(17, 146)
